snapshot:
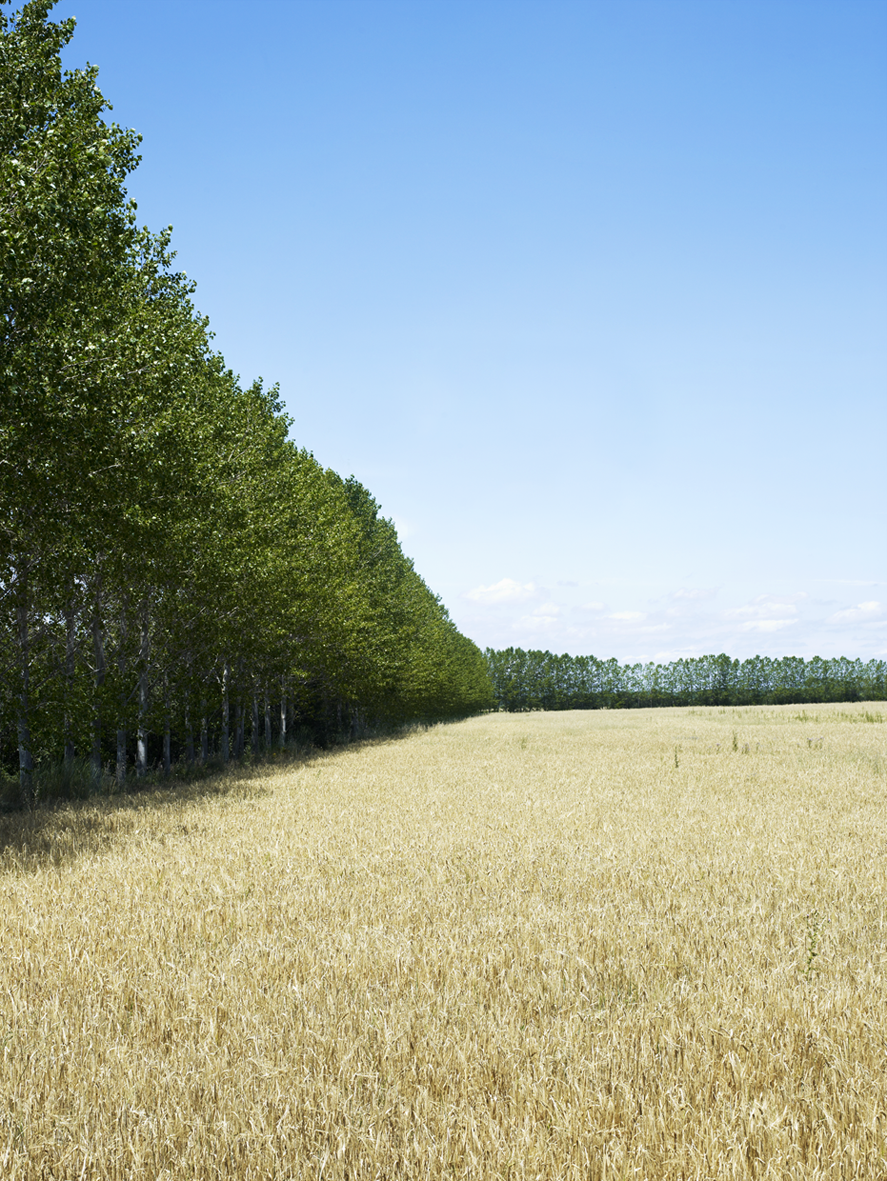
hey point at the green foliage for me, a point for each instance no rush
(526, 680)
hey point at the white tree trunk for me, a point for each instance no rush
(167, 737)
(98, 649)
(121, 701)
(189, 738)
(23, 725)
(204, 733)
(144, 693)
(238, 730)
(226, 713)
(70, 667)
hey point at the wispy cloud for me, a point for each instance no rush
(504, 591)
(694, 594)
(848, 581)
(533, 626)
(766, 625)
(767, 607)
(861, 612)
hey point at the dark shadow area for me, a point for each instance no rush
(60, 828)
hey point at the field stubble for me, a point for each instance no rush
(647, 944)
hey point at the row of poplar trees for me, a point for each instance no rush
(177, 578)
(526, 680)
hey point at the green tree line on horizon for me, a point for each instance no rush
(178, 579)
(529, 680)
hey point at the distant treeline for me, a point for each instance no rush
(541, 680)
(178, 580)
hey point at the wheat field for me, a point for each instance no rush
(643, 944)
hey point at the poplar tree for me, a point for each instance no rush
(65, 229)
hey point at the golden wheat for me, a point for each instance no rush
(647, 944)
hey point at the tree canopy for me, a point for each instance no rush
(527, 680)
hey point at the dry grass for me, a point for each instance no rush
(601, 945)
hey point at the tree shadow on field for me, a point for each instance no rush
(59, 830)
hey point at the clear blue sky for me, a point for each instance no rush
(592, 296)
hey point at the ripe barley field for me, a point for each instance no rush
(645, 944)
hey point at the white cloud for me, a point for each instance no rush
(773, 607)
(862, 611)
(548, 610)
(507, 590)
(848, 581)
(699, 593)
(593, 607)
(629, 616)
(534, 624)
(767, 625)
(763, 611)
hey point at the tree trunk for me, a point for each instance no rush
(189, 728)
(121, 700)
(238, 730)
(189, 739)
(267, 723)
(167, 737)
(255, 733)
(204, 733)
(121, 758)
(283, 719)
(23, 724)
(98, 649)
(226, 713)
(142, 739)
(70, 668)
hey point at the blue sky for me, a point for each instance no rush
(591, 296)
